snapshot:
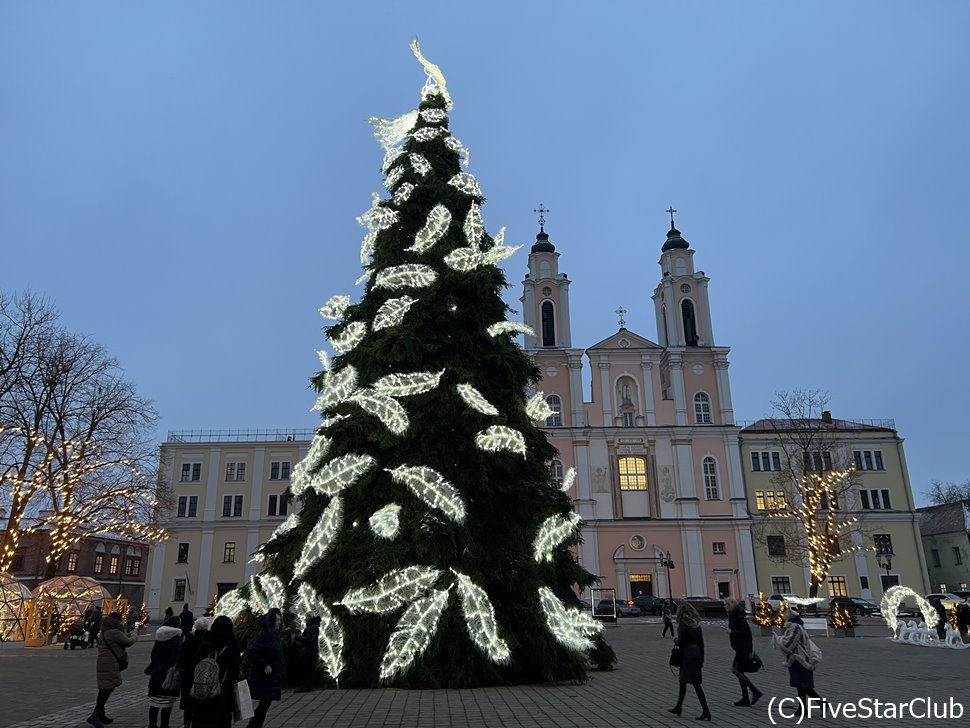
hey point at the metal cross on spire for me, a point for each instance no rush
(542, 210)
(621, 312)
(671, 210)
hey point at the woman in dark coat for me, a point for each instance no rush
(219, 640)
(743, 645)
(690, 639)
(266, 657)
(111, 653)
(165, 654)
(187, 663)
(309, 654)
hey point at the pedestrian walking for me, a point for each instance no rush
(690, 640)
(112, 659)
(93, 626)
(165, 655)
(668, 622)
(309, 654)
(942, 617)
(187, 663)
(801, 657)
(743, 645)
(169, 613)
(186, 620)
(266, 658)
(220, 643)
(963, 618)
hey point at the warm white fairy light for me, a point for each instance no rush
(274, 589)
(337, 387)
(466, 182)
(421, 165)
(433, 116)
(386, 521)
(464, 259)
(499, 437)
(333, 420)
(497, 253)
(413, 633)
(403, 193)
(427, 133)
(320, 538)
(330, 641)
(352, 334)
(341, 472)
(570, 627)
(390, 157)
(474, 226)
(434, 229)
(568, 480)
(510, 327)
(287, 525)
(386, 409)
(456, 146)
(231, 604)
(392, 591)
(474, 399)
(431, 486)
(307, 602)
(390, 132)
(393, 178)
(300, 477)
(335, 307)
(896, 595)
(537, 408)
(324, 358)
(480, 620)
(378, 217)
(406, 385)
(435, 81)
(256, 601)
(367, 249)
(410, 275)
(364, 277)
(553, 531)
(392, 311)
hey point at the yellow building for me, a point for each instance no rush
(226, 493)
(883, 549)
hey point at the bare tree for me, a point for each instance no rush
(940, 493)
(816, 476)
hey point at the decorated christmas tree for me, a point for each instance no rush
(431, 541)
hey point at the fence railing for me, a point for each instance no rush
(290, 435)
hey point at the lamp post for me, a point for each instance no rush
(886, 562)
(668, 563)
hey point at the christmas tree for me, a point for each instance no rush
(431, 541)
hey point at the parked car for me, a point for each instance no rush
(707, 606)
(961, 594)
(856, 605)
(775, 600)
(947, 598)
(609, 607)
(648, 604)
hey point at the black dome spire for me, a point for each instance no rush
(542, 244)
(674, 240)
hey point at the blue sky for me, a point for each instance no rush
(182, 181)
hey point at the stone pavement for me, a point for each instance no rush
(52, 688)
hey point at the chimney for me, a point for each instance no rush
(826, 417)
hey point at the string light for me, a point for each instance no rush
(456, 146)
(410, 275)
(480, 620)
(413, 634)
(465, 182)
(330, 641)
(364, 277)
(320, 538)
(553, 531)
(350, 337)
(896, 595)
(474, 399)
(386, 522)
(390, 132)
(254, 598)
(337, 387)
(324, 358)
(497, 253)
(570, 627)
(421, 165)
(386, 409)
(509, 327)
(403, 193)
(341, 473)
(537, 408)
(378, 217)
(433, 116)
(427, 134)
(287, 525)
(390, 157)
(434, 229)
(499, 437)
(335, 308)
(367, 249)
(393, 178)
(430, 486)
(474, 226)
(392, 311)
(392, 591)
(274, 590)
(231, 604)
(464, 260)
(405, 385)
(300, 477)
(568, 480)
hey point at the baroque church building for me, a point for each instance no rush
(654, 444)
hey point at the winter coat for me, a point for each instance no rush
(216, 712)
(186, 663)
(265, 650)
(308, 641)
(690, 639)
(963, 617)
(165, 654)
(186, 619)
(741, 641)
(114, 636)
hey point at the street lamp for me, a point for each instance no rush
(886, 564)
(668, 563)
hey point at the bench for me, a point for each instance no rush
(817, 623)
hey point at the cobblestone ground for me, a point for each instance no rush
(52, 688)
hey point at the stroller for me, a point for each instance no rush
(77, 635)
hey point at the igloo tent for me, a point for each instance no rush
(72, 595)
(13, 615)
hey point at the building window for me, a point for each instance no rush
(235, 472)
(817, 461)
(72, 562)
(776, 546)
(702, 409)
(936, 557)
(957, 556)
(628, 418)
(279, 470)
(690, 322)
(188, 505)
(868, 459)
(874, 499)
(838, 587)
(556, 473)
(133, 566)
(98, 563)
(191, 472)
(780, 585)
(835, 546)
(229, 552)
(719, 547)
(884, 544)
(633, 473)
(770, 500)
(183, 554)
(548, 315)
(863, 582)
(765, 460)
(555, 404)
(232, 506)
(113, 565)
(277, 505)
(824, 502)
(711, 489)
(178, 593)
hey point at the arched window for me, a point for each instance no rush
(556, 473)
(711, 489)
(690, 322)
(548, 324)
(633, 473)
(663, 315)
(555, 419)
(702, 409)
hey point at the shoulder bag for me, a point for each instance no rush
(122, 661)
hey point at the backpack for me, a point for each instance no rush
(206, 680)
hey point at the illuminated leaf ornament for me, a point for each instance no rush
(499, 437)
(350, 337)
(392, 311)
(274, 590)
(480, 620)
(367, 249)
(386, 522)
(256, 601)
(413, 633)
(392, 591)
(330, 641)
(435, 82)
(287, 525)
(333, 420)
(300, 477)
(434, 229)
(553, 531)
(340, 473)
(320, 538)
(393, 178)
(390, 157)
(510, 327)
(365, 276)
(337, 387)
(410, 275)
(390, 132)
(427, 133)
(537, 408)
(570, 627)
(405, 385)
(421, 165)
(474, 226)
(335, 307)
(324, 358)
(474, 399)
(378, 217)
(231, 604)
(466, 182)
(456, 146)
(568, 480)
(430, 486)
(387, 409)
(403, 193)
(433, 116)
(464, 260)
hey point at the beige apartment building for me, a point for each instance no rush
(883, 550)
(227, 490)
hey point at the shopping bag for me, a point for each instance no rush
(243, 707)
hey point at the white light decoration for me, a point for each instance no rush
(307, 603)
(333, 420)
(340, 473)
(421, 165)
(392, 311)
(474, 226)
(337, 387)
(403, 193)
(433, 116)
(367, 249)
(474, 399)
(456, 146)
(388, 410)
(390, 157)
(389, 132)
(335, 307)
(466, 182)
(499, 238)
(570, 627)
(324, 358)
(378, 217)
(386, 521)
(410, 275)
(568, 480)
(480, 620)
(413, 633)
(537, 408)
(464, 259)
(330, 641)
(500, 437)
(393, 178)
(434, 229)
(553, 531)
(392, 591)
(320, 538)
(497, 253)
(895, 596)
(288, 525)
(427, 133)
(435, 82)
(256, 601)
(231, 604)
(364, 277)
(405, 385)
(300, 477)
(350, 337)
(430, 486)
(510, 327)
(274, 590)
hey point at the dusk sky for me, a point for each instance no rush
(182, 181)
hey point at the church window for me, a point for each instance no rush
(555, 419)
(690, 322)
(548, 324)
(702, 409)
(633, 473)
(547, 291)
(712, 490)
(556, 473)
(628, 419)
(684, 288)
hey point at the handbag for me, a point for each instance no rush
(676, 657)
(173, 679)
(122, 661)
(752, 664)
(242, 708)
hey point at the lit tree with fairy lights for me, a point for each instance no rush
(430, 542)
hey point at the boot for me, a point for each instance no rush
(105, 719)
(95, 720)
(755, 695)
(706, 715)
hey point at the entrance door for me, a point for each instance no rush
(641, 585)
(723, 589)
